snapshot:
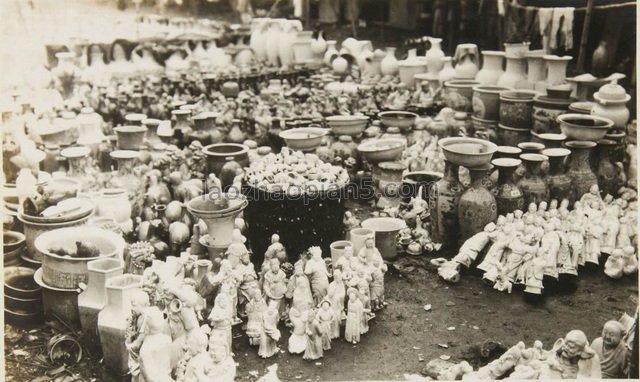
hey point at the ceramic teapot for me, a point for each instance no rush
(610, 103)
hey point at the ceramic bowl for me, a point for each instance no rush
(582, 127)
(382, 150)
(12, 240)
(467, 152)
(403, 120)
(77, 208)
(19, 283)
(303, 138)
(352, 125)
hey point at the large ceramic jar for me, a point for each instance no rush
(302, 52)
(611, 100)
(114, 203)
(486, 101)
(113, 321)
(514, 73)
(516, 108)
(508, 196)
(466, 56)
(510, 136)
(447, 72)
(388, 179)
(533, 184)
(477, 206)
(126, 178)
(545, 113)
(558, 180)
(221, 156)
(443, 204)
(152, 125)
(80, 167)
(458, 94)
(411, 66)
(582, 176)
(535, 71)
(434, 55)
(389, 64)
(257, 41)
(491, 67)
(556, 69)
(608, 174)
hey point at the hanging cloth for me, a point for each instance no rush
(562, 21)
(545, 16)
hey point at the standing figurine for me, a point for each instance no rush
(344, 262)
(377, 287)
(336, 294)
(199, 361)
(316, 269)
(270, 334)
(300, 291)
(297, 340)
(369, 251)
(255, 309)
(593, 235)
(275, 249)
(155, 360)
(355, 311)
(325, 316)
(313, 332)
(275, 286)
(220, 320)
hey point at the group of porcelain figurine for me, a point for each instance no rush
(172, 336)
(549, 240)
(571, 357)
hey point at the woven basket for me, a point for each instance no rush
(301, 222)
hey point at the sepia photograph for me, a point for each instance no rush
(319, 190)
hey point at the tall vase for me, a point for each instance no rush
(66, 73)
(331, 52)
(607, 173)
(491, 67)
(558, 179)
(535, 71)
(466, 56)
(514, 73)
(447, 71)
(126, 178)
(90, 129)
(80, 167)
(287, 38)
(94, 297)
(389, 64)
(556, 69)
(434, 56)
(582, 176)
(477, 206)
(318, 47)
(258, 38)
(533, 185)
(274, 34)
(112, 321)
(443, 204)
(508, 196)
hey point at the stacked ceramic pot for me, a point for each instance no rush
(486, 110)
(546, 108)
(516, 109)
(22, 297)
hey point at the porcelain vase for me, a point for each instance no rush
(515, 72)
(491, 67)
(443, 204)
(533, 184)
(557, 178)
(579, 167)
(508, 196)
(434, 56)
(477, 206)
(389, 64)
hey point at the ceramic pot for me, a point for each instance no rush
(620, 138)
(535, 71)
(273, 36)
(509, 136)
(508, 196)
(579, 168)
(556, 69)
(413, 181)
(357, 238)
(302, 52)
(32, 230)
(485, 129)
(558, 180)
(94, 297)
(611, 100)
(386, 234)
(290, 29)
(486, 101)
(219, 154)
(531, 147)
(22, 297)
(491, 67)
(126, 178)
(434, 56)
(411, 66)
(388, 179)
(114, 203)
(459, 94)
(58, 303)
(447, 72)
(533, 184)
(516, 108)
(90, 129)
(545, 113)
(257, 41)
(13, 244)
(113, 321)
(319, 46)
(443, 204)
(331, 52)
(151, 138)
(389, 64)
(66, 73)
(549, 140)
(130, 137)
(80, 168)
(515, 72)
(608, 174)
(466, 57)
(508, 152)
(477, 206)
(338, 248)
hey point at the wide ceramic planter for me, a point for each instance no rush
(68, 272)
(386, 233)
(509, 136)
(382, 150)
(59, 303)
(467, 152)
(545, 113)
(485, 129)
(582, 127)
(228, 157)
(486, 101)
(303, 138)
(458, 94)
(403, 120)
(352, 125)
(33, 230)
(130, 137)
(516, 108)
(219, 211)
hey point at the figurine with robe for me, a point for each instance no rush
(336, 294)
(255, 309)
(355, 312)
(270, 334)
(313, 331)
(316, 270)
(275, 286)
(325, 316)
(612, 351)
(298, 339)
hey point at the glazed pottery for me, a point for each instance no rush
(477, 206)
(345, 147)
(508, 196)
(531, 147)
(79, 167)
(491, 67)
(303, 138)
(290, 29)
(486, 101)
(611, 100)
(59, 303)
(90, 128)
(485, 129)
(389, 65)
(556, 69)
(509, 136)
(352, 125)
(257, 41)
(94, 297)
(549, 140)
(130, 137)
(388, 179)
(151, 137)
(533, 184)
(411, 66)
(113, 321)
(32, 230)
(467, 152)
(515, 72)
(67, 272)
(22, 297)
(66, 73)
(583, 127)
(443, 206)
(221, 154)
(579, 168)
(358, 237)
(331, 52)
(558, 180)
(273, 36)
(135, 119)
(302, 53)
(114, 203)
(412, 181)
(608, 174)
(13, 244)
(620, 139)
(447, 72)
(319, 46)
(508, 152)
(381, 150)
(546, 111)
(403, 120)
(434, 56)
(516, 107)
(386, 233)
(466, 57)
(338, 248)
(458, 94)
(126, 178)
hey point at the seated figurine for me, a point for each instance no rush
(612, 351)
(222, 367)
(614, 267)
(571, 358)
(630, 259)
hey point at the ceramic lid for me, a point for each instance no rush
(611, 92)
(76, 152)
